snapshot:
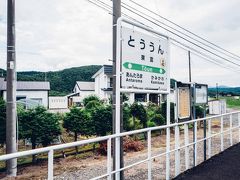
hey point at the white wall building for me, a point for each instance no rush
(29, 93)
(217, 107)
(84, 89)
(103, 87)
(58, 104)
(103, 82)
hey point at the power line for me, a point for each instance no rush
(106, 5)
(170, 32)
(182, 32)
(108, 8)
(194, 50)
(207, 58)
(181, 37)
(184, 29)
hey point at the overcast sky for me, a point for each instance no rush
(58, 34)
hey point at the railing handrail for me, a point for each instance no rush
(103, 138)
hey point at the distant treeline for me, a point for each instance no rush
(62, 82)
(224, 91)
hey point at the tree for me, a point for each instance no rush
(2, 121)
(151, 109)
(126, 116)
(92, 105)
(102, 118)
(87, 99)
(78, 121)
(158, 119)
(199, 112)
(164, 111)
(38, 125)
(138, 111)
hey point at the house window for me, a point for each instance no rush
(32, 103)
(20, 97)
(110, 82)
(140, 97)
(37, 100)
(22, 101)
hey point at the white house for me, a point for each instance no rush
(103, 82)
(83, 89)
(29, 93)
(103, 87)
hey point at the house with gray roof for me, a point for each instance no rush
(82, 89)
(29, 93)
(104, 83)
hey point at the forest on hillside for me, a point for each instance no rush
(63, 81)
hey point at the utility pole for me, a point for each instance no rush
(217, 90)
(11, 143)
(45, 77)
(193, 110)
(189, 66)
(116, 15)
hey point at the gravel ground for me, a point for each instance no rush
(90, 169)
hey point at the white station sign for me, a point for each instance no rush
(144, 60)
(201, 94)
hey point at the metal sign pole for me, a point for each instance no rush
(118, 102)
(194, 124)
(205, 134)
(117, 125)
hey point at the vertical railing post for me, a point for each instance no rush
(230, 128)
(50, 165)
(177, 151)
(195, 143)
(168, 140)
(149, 155)
(209, 138)
(167, 154)
(168, 118)
(222, 142)
(109, 158)
(186, 142)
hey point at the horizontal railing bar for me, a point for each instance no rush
(129, 166)
(99, 177)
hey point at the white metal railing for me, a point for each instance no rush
(109, 174)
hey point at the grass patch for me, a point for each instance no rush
(232, 103)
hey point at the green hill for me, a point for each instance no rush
(223, 91)
(62, 82)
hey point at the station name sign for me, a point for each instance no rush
(144, 60)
